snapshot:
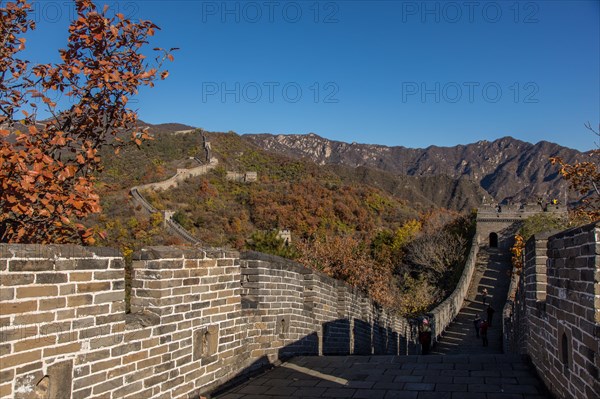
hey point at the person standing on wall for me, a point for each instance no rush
(425, 336)
(483, 327)
(490, 314)
(476, 323)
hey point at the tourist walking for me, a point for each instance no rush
(490, 314)
(476, 323)
(483, 327)
(425, 336)
(484, 294)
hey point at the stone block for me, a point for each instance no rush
(37, 291)
(16, 279)
(205, 342)
(51, 278)
(7, 294)
(18, 307)
(93, 287)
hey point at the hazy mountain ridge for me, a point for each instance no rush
(506, 168)
(423, 192)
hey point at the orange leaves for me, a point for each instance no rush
(517, 251)
(584, 178)
(346, 258)
(58, 140)
(77, 204)
(47, 169)
(67, 173)
(11, 199)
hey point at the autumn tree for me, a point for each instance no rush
(541, 222)
(346, 258)
(436, 253)
(48, 167)
(584, 178)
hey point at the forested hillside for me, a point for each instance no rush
(362, 225)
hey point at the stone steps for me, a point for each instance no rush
(459, 338)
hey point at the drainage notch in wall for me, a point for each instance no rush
(205, 342)
(282, 326)
(42, 388)
(56, 383)
(565, 347)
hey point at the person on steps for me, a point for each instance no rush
(425, 336)
(484, 294)
(476, 323)
(483, 327)
(490, 314)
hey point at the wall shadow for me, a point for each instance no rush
(342, 337)
(336, 337)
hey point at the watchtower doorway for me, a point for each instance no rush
(493, 240)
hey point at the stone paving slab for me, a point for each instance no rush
(414, 377)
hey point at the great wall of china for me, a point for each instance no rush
(202, 319)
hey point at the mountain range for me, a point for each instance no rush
(507, 169)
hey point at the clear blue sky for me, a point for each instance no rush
(410, 73)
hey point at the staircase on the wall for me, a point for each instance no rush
(493, 273)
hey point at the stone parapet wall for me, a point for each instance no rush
(199, 319)
(555, 318)
(310, 313)
(445, 312)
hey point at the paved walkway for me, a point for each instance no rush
(386, 377)
(458, 368)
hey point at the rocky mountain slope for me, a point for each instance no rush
(506, 168)
(239, 153)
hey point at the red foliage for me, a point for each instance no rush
(47, 168)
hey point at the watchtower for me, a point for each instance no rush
(497, 225)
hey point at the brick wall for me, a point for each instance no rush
(306, 312)
(555, 317)
(446, 311)
(199, 319)
(62, 315)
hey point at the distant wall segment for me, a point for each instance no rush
(172, 182)
(497, 225)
